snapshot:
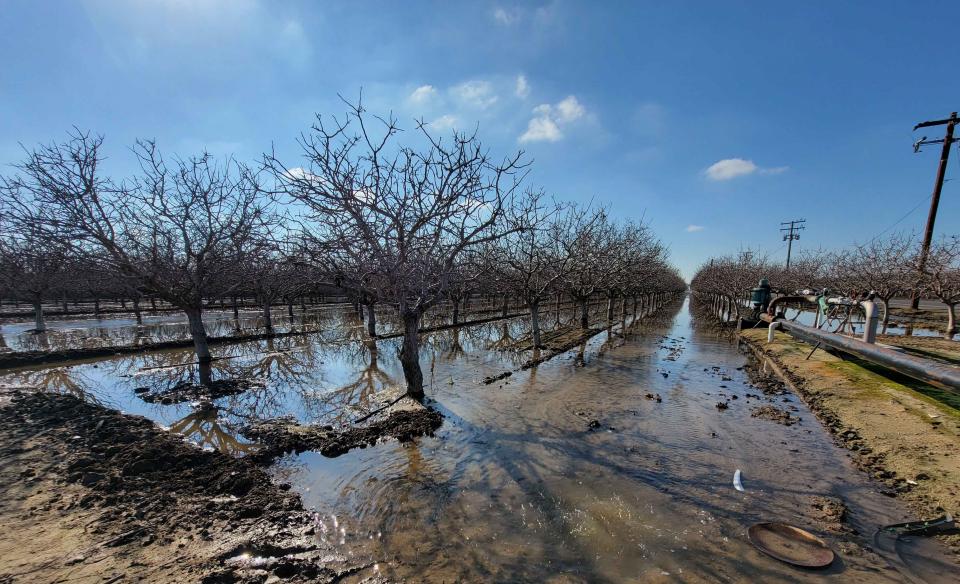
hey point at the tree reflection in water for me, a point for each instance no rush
(203, 427)
(347, 402)
(56, 380)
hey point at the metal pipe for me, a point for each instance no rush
(870, 321)
(938, 374)
(770, 330)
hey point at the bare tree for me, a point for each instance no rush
(178, 230)
(31, 265)
(532, 258)
(413, 208)
(941, 277)
(881, 266)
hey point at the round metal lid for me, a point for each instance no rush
(790, 544)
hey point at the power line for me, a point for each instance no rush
(898, 221)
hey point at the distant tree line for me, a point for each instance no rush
(406, 225)
(884, 268)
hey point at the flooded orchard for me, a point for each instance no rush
(611, 462)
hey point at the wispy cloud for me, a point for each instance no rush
(475, 93)
(549, 119)
(444, 122)
(694, 228)
(731, 168)
(522, 89)
(505, 16)
(422, 94)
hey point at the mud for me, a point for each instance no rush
(92, 495)
(283, 436)
(903, 439)
(774, 414)
(187, 391)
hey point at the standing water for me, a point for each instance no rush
(617, 471)
(610, 463)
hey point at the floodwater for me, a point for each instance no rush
(516, 486)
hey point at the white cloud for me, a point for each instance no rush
(549, 119)
(444, 122)
(478, 94)
(731, 168)
(505, 17)
(523, 87)
(775, 170)
(541, 129)
(694, 228)
(570, 109)
(422, 94)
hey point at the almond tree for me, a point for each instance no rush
(881, 266)
(532, 260)
(179, 230)
(941, 277)
(31, 265)
(414, 208)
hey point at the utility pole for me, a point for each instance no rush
(791, 233)
(947, 141)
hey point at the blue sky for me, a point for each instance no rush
(714, 121)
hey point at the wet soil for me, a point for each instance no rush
(187, 391)
(774, 414)
(285, 436)
(92, 495)
(903, 439)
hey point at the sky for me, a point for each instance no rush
(712, 121)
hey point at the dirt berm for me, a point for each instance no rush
(93, 495)
(897, 432)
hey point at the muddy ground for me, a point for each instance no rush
(92, 495)
(283, 436)
(904, 439)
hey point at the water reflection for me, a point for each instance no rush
(518, 486)
(203, 427)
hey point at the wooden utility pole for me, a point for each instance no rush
(791, 233)
(947, 141)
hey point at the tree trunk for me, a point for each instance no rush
(153, 304)
(290, 309)
(506, 305)
(267, 317)
(96, 306)
(556, 306)
(456, 311)
(136, 310)
(951, 321)
(123, 303)
(371, 321)
(199, 334)
(206, 373)
(609, 308)
(66, 307)
(41, 325)
(535, 323)
(584, 314)
(410, 355)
